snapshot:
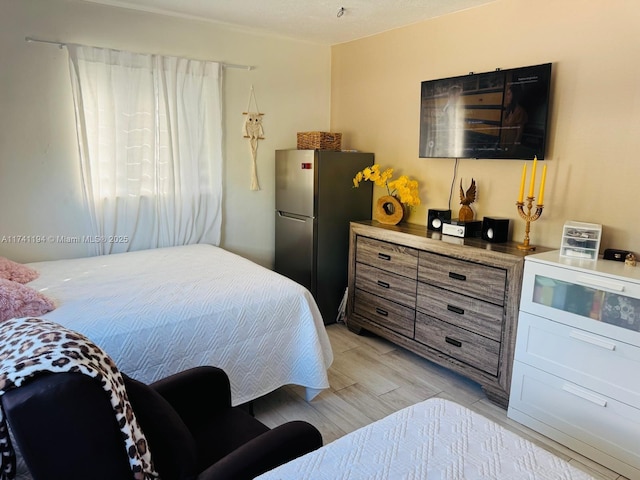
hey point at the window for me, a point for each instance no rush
(150, 142)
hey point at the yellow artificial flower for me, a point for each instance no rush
(404, 188)
(384, 177)
(407, 190)
(357, 179)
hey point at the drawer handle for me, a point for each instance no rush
(382, 312)
(598, 342)
(579, 392)
(384, 256)
(383, 284)
(601, 284)
(455, 343)
(457, 276)
(454, 309)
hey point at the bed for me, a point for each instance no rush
(158, 312)
(435, 439)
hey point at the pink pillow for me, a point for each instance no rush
(17, 300)
(16, 272)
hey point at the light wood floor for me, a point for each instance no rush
(371, 378)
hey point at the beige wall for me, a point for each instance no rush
(368, 89)
(594, 144)
(40, 190)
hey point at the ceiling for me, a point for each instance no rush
(315, 21)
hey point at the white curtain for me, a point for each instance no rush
(150, 143)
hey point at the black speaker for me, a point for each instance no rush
(495, 230)
(435, 219)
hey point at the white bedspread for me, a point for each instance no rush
(158, 312)
(436, 440)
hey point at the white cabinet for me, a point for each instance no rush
(577, 357)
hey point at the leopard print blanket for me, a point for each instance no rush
(29, 346)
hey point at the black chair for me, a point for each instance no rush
(66, 429)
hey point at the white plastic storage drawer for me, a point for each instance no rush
(599, 363)
(586, 417)
(581, 240)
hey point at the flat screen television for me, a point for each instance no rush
(499, 114)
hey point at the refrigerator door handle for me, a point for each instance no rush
(293, 216)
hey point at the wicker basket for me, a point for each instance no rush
(319, 141)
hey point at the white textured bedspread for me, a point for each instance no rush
(158, 312)
(436, 440)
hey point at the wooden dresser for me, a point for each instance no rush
(451, 300)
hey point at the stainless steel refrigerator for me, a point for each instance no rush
(315, 201)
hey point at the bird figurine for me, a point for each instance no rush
(466, 214)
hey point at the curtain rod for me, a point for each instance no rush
(62, 45)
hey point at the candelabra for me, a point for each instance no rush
(528, 217)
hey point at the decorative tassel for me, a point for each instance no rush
(252, 129)
(254, 167)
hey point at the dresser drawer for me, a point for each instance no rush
(468, 278)
(599, 363)
(388, 314)
(475, 350)
(470, 313)
(582, 415)
(592, 298)
(386, 284)
(387, 256)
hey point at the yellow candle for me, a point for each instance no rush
(533, 176)
(524, 175)
(544, 177)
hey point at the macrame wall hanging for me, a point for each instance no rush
(252, 129)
